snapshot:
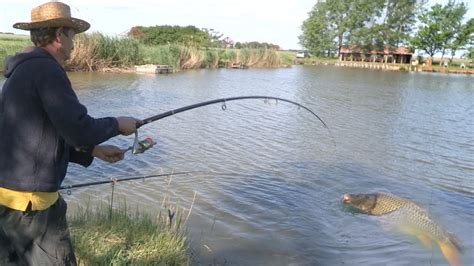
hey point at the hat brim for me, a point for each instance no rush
(78, 25)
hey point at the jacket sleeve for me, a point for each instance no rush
(66, 113)
(81, 157)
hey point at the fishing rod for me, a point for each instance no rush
(115, 180)
(136, 148)
(223, 100)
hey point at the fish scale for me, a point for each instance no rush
(409, 218)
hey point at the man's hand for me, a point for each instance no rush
(128, 125)
(108, 153)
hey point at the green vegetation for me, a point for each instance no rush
(381, 23)
(287, 58)
(370, 24)
(11, 44)
(256, 45)
(96, 52)
(190, 36)
(161, 54)
(441, 29)
(161, 35)
(119, 237)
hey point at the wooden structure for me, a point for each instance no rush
(154, 69)
(238, 66)
(395, 55)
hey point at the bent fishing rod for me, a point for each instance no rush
(136, 148)
(223, 100)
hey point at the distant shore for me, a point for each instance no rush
(387, 66)
(98, 53)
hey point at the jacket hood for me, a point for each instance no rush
(12, 62)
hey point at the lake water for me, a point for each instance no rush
(276, 175)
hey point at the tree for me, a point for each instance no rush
(365, 23)
(256, 45)
(135, 33)
(158, 35)
(347, 16)
(318, 37)
(215, 38)
(398, 20)
(470, 53)
(390, 25)
(438, 27)
(464, 37)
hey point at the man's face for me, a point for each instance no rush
(67, 45)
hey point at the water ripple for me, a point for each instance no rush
(272, 194)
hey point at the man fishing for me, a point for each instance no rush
(43, 127)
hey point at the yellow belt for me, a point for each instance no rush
(19, 200)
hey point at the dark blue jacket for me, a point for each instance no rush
(42, 123)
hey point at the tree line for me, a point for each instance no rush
(375, 24)
(190, 36)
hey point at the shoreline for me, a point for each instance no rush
(347, 64)
(391, 67)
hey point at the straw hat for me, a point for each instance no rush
(51, 15)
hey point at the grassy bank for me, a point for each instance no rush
(122, 237)
(97, 52)
(11, 44)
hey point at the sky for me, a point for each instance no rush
(272, 21)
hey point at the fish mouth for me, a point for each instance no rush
(346, 198)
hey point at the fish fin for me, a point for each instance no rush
(450, 252)
(456, 242)
(425, 240)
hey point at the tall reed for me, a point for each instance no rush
(160, 54)
(190, 57)
(96, 52)
(259, 58)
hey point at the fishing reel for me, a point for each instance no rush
(141, 146)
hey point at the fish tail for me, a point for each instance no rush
(450, 252)
(455, 241)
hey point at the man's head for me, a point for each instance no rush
(59, 41)
(53, 28)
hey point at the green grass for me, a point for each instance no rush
(160, 55)
(122, 237)
(287, 57)
(11, 44)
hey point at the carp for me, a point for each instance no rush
(410, 218)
